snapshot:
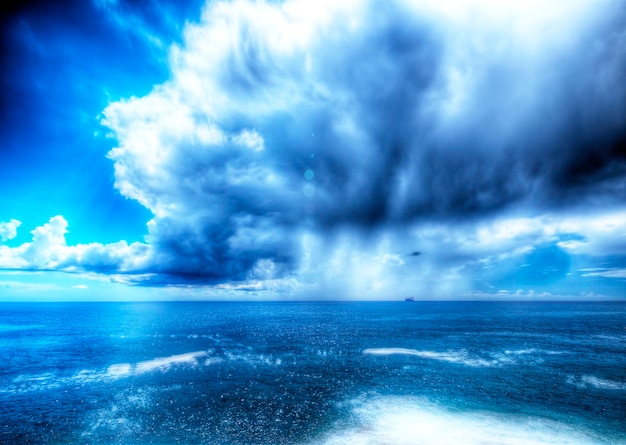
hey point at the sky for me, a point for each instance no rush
(327, 150)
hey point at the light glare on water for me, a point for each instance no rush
(314, 373)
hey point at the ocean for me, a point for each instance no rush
(313, 373)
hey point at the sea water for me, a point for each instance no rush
(313, 373)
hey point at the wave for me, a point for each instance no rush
(460, 357)
(49, 380)
(32, 382)
(504, 358)
(116, 371)
(165, 363)
(254, 359)
(520, 351)
(405, 420)
(119, 370)
(586, 381)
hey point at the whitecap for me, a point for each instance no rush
(212, 361)
(119, 370)
(591, 380)
(520, 351)
(119, 419)
(254, 359)
(33, 378)
(45, 381)
(165, 363)
(460, 357)
(32, 382)
(405, 420)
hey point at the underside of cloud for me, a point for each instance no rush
(459, 259)
(310, 138)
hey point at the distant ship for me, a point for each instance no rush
(410, 299)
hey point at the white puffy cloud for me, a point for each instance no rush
(48, 250)
(8, 229)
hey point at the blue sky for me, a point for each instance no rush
(313, 150)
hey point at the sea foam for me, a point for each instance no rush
(404, 421)
(460, 357)
(596, 382)
(165, 363)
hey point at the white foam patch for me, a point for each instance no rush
(121, 419)
(28, 383)
(212, 361)
(40, 382)
(403, 421)
(119, 370)
(460, 357)
(596, 382)
(254, 359)
(165, 363)
(520, 351)
(611, 338)
(34, 378)
(32, 382)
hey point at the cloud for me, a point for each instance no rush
(288, 118)
(606, 273)
(367, 150)
(603, 234)
(151, 23)
(502, 257)
(8, 230)
(48, 250)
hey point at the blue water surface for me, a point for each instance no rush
(309, 373)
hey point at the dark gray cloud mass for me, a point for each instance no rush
(368, 117)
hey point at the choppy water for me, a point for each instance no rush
(313, 373)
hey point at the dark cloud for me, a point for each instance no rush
(367, 119)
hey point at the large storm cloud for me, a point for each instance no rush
(296, 137)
